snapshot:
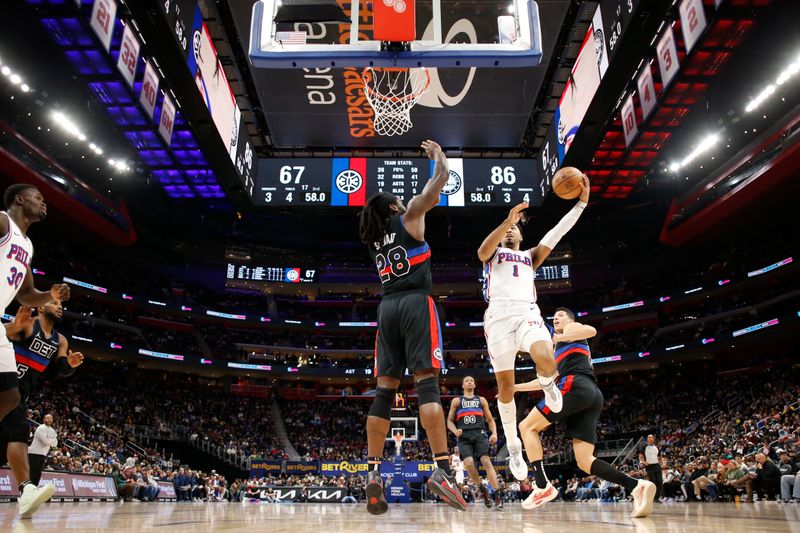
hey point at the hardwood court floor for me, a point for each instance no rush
(417, 518)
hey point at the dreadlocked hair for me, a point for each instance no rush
(374, 217)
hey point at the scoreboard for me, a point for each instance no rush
(349, 181)
(276, 274)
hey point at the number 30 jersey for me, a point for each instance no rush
(402, 261)
(16, 252)
(508, 277)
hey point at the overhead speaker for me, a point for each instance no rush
(291, 11)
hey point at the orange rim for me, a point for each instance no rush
(365, 75)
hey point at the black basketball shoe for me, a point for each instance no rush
(446, 488)
(487, 498)
(376, 499)
(498, 500)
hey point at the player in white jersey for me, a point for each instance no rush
(25, 205)
(457, 465)
(512, 322)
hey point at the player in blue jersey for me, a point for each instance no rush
(39, 350)
(409, 336)
(582, 404)
(468, 420)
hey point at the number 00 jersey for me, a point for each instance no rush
(403, 262)
(469, 414)
(16, 252)
(508, 276)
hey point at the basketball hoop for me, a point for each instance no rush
(392, 92)
(398, 442)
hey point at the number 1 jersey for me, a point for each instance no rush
(402, 261)
(509, 277)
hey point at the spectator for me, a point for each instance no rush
(571, 491)
(790, 479)
(768, 478)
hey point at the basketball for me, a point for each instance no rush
(567, 183)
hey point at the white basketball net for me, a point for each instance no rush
(392, 93)
(398, 443)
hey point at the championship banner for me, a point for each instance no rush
(667, 57)
(149, 90)
(693, 22)
(102, 21)
(167, 121)
(629, 126)
(647, 91)
(128, 55)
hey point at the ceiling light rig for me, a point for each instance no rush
(788, 73)
(14, 78)
(704, 146)
(67, 124)
(62, 120)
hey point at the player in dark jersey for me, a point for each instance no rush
(39, 349)
(408, 335)
(468, 418)
(582, 405)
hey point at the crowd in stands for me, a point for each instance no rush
(718, 433)
(121, 322)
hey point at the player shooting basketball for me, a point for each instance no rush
(409, 336)
(513, 322)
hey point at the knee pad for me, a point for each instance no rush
(382, 404)
(428, 391)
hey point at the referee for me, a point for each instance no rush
(652, 463)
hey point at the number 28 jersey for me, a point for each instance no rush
(403, 262)
(16, 252)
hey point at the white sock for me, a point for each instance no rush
(508, 416)
(546, 383)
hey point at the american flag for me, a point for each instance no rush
(291, 37)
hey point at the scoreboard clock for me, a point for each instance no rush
(344, 181)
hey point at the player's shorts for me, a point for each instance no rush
(460, 477)
(8, 363)
(14, 428)
(583, 403)
(473, 443)
(409, 336)
(512, 327)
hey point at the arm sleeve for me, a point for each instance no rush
(552, 237)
